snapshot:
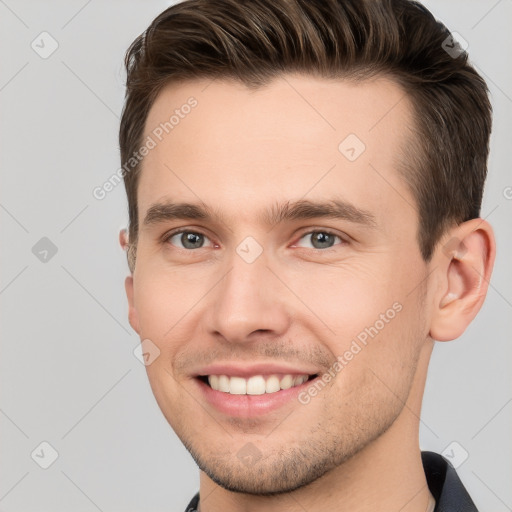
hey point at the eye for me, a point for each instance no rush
(321, 239)
(188, 239)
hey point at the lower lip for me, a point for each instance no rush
(247, 406)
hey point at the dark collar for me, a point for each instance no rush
(445, 485)
(442, 480)
(192, 506)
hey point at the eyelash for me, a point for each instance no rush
(169, 235)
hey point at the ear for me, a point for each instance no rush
(128, 286)
(133, 316)
(123, 239)
(464, 261)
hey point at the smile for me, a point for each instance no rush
(256, 384)
(237, 389)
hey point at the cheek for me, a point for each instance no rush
(381, 355)
(168, 394)
(372, 318)
(162, 299)
(349, 298)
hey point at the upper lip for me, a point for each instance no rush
(246, 371)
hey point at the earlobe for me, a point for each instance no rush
(133, 317)
(465, 263)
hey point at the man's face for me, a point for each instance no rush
(261, 302)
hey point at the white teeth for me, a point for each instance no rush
(223, 383)
(286, 382)
(255, 385)
(300, 380)
(238, 386)
(272, 384)
(213, 380)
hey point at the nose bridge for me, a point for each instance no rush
(248, 298)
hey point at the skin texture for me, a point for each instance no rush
(354, 446)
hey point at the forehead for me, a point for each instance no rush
(241, 150)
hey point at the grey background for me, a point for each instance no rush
(68, 373)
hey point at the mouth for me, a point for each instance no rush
(241, 390)
(256, 384)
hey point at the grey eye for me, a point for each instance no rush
(321, 239)
(188, 239)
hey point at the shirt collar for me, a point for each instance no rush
(445, 485)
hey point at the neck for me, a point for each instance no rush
(387, 475)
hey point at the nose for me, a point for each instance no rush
(247, 302)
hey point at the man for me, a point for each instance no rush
(304, 182)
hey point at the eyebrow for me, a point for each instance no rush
(278, 213)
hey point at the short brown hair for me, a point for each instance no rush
(254, 41)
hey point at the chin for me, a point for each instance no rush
(269, 476)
